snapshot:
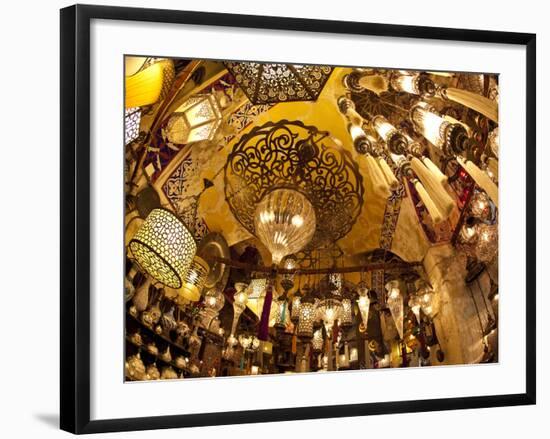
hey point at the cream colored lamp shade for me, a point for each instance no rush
(197, 119)
(284, 222)
(193, 281)
(150, 84)
(164, 247)
(317, 341)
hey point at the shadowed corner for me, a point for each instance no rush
(49, 419)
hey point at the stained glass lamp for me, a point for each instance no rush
(164, 247)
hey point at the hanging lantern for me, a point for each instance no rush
(396, 142)
(285, 222)
(287, 281)
(306, 319)
(452, 138)
(282, 313)
(164, 247)
(347, 312)
(256, 295)
(199, 118)
(395, 304)
(194, 279)
(363, 302)
(330, 310)
(317, 341)
(214, 300)
(239, 304)
(427, 299)
(295, 309)
(417, 83)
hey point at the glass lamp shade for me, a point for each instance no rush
(256, 295)
(383, 127)
(285, 222)
(363, 302)
(330, 310)
(427, 300)
(164, 247)
(306, 320)
(214, 300)
(347, 312)
(194, 279)
(240, 298)
(199, 118)
(395, 304)
(429, 124)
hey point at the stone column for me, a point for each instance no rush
(457, 323)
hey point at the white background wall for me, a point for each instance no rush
(29, 243)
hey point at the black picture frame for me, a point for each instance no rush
(75, 217)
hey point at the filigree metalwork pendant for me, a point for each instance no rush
(273, 83)
(289, 154)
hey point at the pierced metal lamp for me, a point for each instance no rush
(164, 247)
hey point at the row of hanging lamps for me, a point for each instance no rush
(284, 222)
(149, 85)
(364, 146)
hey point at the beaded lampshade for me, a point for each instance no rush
(164, 247)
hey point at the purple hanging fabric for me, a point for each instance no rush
(263, 328)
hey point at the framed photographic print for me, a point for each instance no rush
(268, 218)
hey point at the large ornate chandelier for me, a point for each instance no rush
(284, 222)
(285, 158)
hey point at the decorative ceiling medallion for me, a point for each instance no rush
(274, 83)
(289, 154)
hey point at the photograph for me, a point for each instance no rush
(297, 218)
